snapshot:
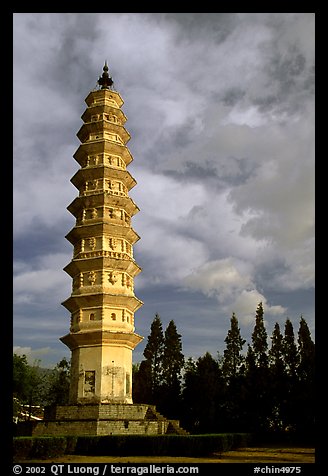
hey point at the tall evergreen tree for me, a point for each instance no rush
(153, 353)
(202, 395)
(306, 353)
(173, 358)
(290, 349)
(250, 361)
(291, 408)
(276, 352)
(232, 357)
(172, 365)
(305, 421)
(250, 416)
(259, 339)
(277, 383)
(258, 390)
(233, 370)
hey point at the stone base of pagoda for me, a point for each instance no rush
(105, 419)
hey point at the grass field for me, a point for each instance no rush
(272, 454)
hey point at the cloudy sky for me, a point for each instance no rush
(220, 109)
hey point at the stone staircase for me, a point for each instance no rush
(173, 427)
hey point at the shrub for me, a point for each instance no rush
(159, 445)
(128, 445)
(39, 447)
(22, 447)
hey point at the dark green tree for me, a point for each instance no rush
(291, 406)
(306, 353)
(250, 415)
(290, 349)
(153, 353)
(172, 366)
(259, 339)
(257, 386)
(305, 401)
(233, 369)
(250, 361)
(202, 395)
(276, 353)
(232, 357)
(141, 378)
(277, 382)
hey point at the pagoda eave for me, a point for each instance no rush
(79, 265)
(102, 126)
(101, 199)
(98, 173)
(94, 229)
(101, 337)
(107, 109)
(102, 147)
(76, 302)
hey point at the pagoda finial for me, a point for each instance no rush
(105, 81)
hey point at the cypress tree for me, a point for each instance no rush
(290, 349)
(291, 406)
(173, 358)
(306, 353)
(232, 358)
(306, 382)
(276, 353)
(259, 339)
(153, 353)
(258, 390)
(233, 373)
(278, 379)
(172, 365)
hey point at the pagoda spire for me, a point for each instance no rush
(105, 81)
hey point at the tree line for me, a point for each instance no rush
(266, 388)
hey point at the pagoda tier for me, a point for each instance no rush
(102, 303)
(103, 229)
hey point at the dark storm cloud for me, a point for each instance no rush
(216, 173)
(232, 96)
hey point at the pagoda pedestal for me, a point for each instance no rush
(105, 419)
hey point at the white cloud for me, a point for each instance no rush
(231, 282)
(47, 281)
(247, 301)
(222, 278)
(33, 356)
